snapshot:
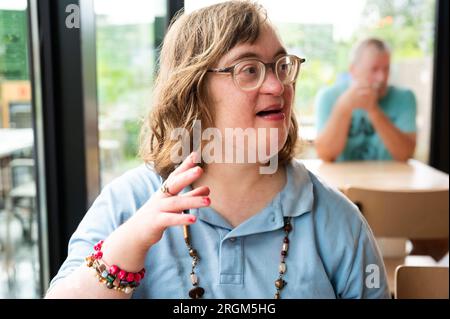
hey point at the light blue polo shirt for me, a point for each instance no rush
(363, 142)
(332, 252)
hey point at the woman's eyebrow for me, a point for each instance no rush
(250, 54)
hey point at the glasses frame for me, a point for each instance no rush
(272, 65)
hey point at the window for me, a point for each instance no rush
(19, 238)
(128, 35)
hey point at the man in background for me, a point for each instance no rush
(364, 118)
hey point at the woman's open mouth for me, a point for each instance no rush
(272, 114)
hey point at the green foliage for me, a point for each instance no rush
(407, 25)
(13, 45)
(132, 129)
(125, 62)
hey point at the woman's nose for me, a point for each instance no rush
(271, 84)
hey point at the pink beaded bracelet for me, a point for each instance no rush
(113, 276)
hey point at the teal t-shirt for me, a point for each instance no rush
(363, 142)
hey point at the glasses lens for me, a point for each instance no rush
(248, 74)
(287, 69)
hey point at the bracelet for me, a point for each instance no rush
(114, 277)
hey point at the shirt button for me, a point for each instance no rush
(233, 239)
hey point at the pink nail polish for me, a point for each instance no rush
(192, 219)
(206, 200)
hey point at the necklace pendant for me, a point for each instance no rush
(280, 283)
(196, 293)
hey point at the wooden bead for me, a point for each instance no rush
(101, 268)
(186, 235)
(280, 283)
(287, 228)
(282, 268)
(196, 292)
(193, 252)
(277, 295)
(110, 285)
(194, 279)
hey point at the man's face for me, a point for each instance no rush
(372, 69)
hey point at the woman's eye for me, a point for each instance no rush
(249, 70)
(284, 67)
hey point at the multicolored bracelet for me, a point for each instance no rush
(114, 277)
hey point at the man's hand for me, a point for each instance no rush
(361, 95)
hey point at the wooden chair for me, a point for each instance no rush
(403, 214)
(413, 282)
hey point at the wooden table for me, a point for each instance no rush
(386, 175)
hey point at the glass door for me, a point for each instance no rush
(125, 76)
(19, 231)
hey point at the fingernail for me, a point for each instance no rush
(196, 170)
(206, 200)
(192, 219)
(193, 154)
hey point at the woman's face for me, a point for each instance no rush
(234, 108)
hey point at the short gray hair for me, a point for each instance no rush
(376, 43)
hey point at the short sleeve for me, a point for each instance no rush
(367, 277)
(407, 108)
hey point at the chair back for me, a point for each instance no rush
(412, 282)
(403, 214)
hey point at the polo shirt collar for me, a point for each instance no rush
(295, 199)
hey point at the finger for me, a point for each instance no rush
(180, 181)
(186, 164)
(179, 203)
(169, 219)
(199, 191)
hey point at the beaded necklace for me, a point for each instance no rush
(197, 292)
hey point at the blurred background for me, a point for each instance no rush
(72, 98)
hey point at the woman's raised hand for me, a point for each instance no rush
(164, 209)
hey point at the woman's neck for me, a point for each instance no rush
(239, 191)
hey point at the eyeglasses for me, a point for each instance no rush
(250, 74)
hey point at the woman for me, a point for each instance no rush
(246, 235)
